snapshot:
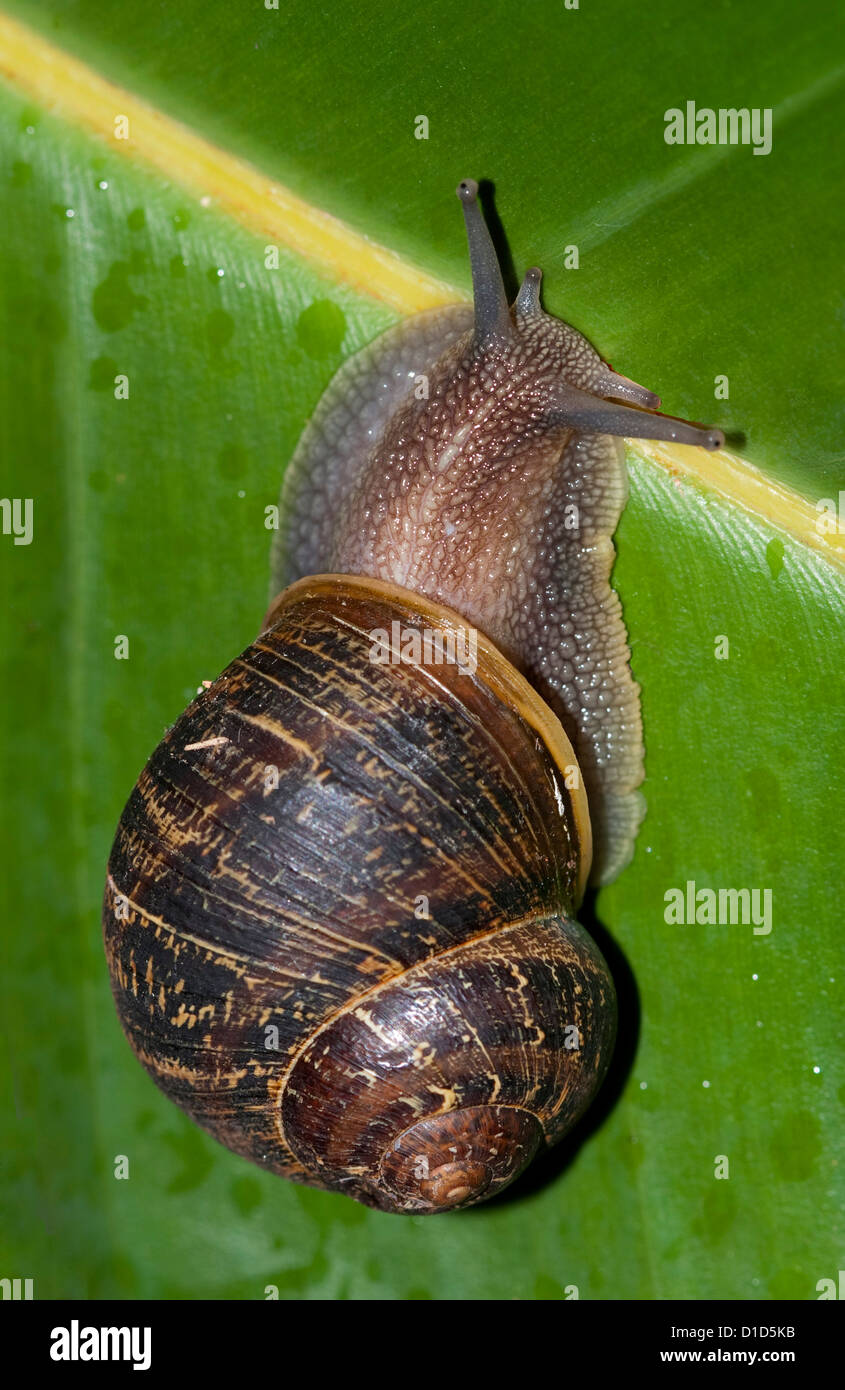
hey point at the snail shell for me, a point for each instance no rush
(339, 911)
(343, 939)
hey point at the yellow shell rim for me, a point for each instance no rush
(500, 675)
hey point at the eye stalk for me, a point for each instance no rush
(492, 314)
(621, 388)
(527, 302)
(591, 414)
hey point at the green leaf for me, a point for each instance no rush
(149, 523)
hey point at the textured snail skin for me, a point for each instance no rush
(339, 913)
(486, 534)
(420, 1062)
(478, 461)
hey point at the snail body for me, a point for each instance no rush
(340, 906)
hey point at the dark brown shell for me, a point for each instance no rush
(262, 921)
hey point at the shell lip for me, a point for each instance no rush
(507, 683)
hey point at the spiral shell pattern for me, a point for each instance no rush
(339, 908)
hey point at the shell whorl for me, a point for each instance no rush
(338, 910)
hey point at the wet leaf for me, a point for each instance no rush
(154, 377)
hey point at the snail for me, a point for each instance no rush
(339, 914)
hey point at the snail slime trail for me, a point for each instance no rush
(340, 906)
